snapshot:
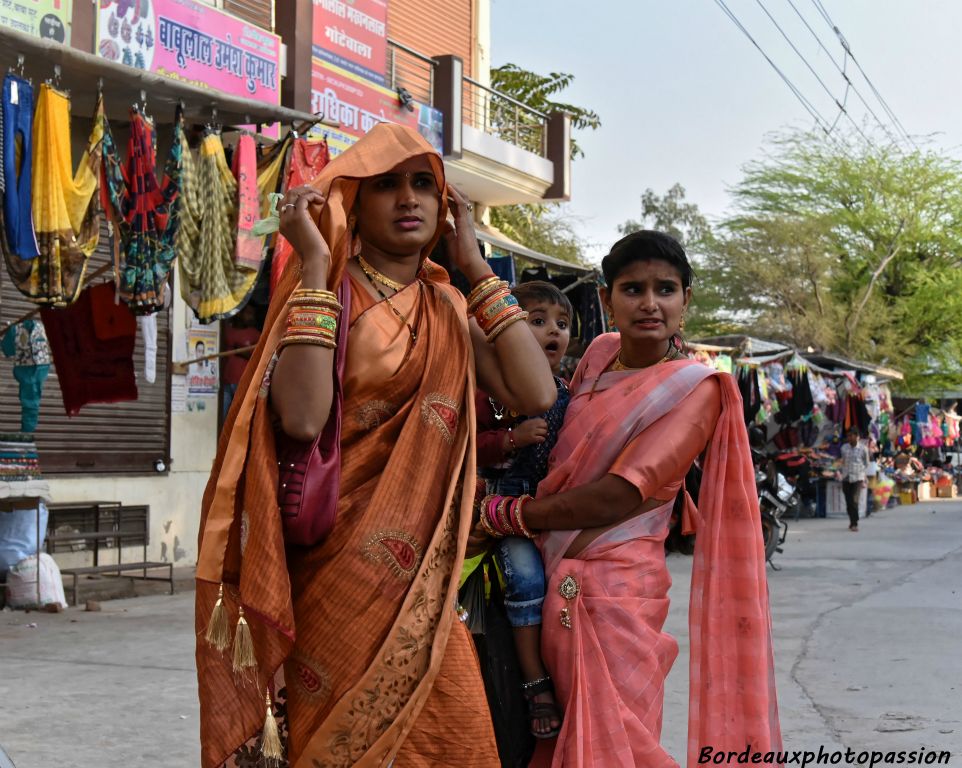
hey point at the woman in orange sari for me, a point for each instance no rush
(640, 414)
(362, 627)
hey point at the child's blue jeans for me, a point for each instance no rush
(520, 563)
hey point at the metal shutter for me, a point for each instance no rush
(433, 27)
(259, 12)
(113, 438)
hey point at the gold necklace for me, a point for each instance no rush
(373, 274)
(619, 365)
(395, 310)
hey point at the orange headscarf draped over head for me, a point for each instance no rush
(240, 513)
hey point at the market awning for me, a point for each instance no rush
(747, 346)
(504, 243)
(834, 361)
(80, 73)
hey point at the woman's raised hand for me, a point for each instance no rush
(299, 211)
(461, 240)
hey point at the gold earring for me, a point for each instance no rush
(681, 325)
(611, 319)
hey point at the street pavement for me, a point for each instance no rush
(867, 633)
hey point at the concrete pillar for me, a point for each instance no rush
(294, 22)
(448, 97)
(558, 151)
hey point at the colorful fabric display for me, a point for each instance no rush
(140, 208)
(250, 247)
(66, 212)
(18, 459)
(17, 113)
(213, 284)
(26, 343)
(92, 342)
(307, 160)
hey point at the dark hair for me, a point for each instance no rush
(540, 290)
(646, 245)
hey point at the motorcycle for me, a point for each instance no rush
(776, 498)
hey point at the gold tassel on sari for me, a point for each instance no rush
(218, 630)
(244, 659)
(271, 747)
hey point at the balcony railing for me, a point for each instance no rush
(507, 118)
(413, 71)
(484, 108)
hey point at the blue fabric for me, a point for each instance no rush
(530, 464)
(17, 207)
(503, 268)
(524, 584)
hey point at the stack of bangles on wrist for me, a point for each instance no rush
(494, 307)
(504, 516)
(312, 318)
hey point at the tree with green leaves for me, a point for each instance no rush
(545, 227)
(848, 248)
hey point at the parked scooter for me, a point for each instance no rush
(776, 496)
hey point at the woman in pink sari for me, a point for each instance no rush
(640, 414)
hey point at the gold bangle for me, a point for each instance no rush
(519, 516)
(508, 321)
(483, 290)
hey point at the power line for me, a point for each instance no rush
(815, 74)
(842, 70)
(817, 116)
(809, 107)
(848, 50)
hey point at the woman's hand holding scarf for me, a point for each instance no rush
(299, 212)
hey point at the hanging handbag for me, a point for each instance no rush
(309, 472)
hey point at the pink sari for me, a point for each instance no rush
(604, 612)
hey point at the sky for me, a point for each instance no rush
(685, 97)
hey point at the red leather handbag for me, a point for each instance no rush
(309, 473)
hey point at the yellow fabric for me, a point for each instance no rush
(60, 198)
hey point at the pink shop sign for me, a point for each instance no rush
(193, 42)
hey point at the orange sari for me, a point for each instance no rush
(377, 668)
(606, 606)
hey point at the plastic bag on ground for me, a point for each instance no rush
(22, 583)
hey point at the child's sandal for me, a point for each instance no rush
(541, 710)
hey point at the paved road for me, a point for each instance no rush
(868, 634)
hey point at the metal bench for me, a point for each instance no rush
(113, 526)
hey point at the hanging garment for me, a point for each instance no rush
(211, 282)
(17, 111)
(503, 268)
(139, 210)
(92, 342)
(148, 330)
(307, 160)
(66, 214)
(26, 343)
(250, 247)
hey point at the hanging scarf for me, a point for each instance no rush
(213, 284)
(65, 210)
(139, 209)
(375, 626)
(307, 160)
(16, 115)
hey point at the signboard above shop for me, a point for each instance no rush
(358, 105)
(192, 42)
(352, 35)
(48, 19)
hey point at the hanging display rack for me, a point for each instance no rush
(83, 74)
